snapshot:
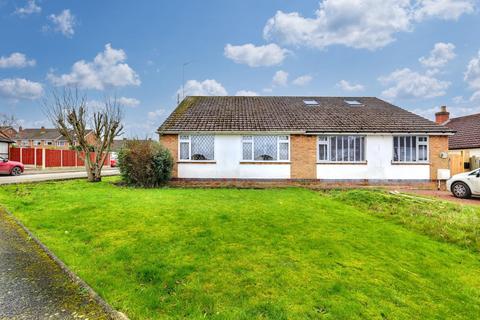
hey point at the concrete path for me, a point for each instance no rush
(32, 286)
(52, 176)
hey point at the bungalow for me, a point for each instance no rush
(325, 138)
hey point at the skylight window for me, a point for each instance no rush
(310, 102)
(353, 103)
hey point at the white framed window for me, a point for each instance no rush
(61, 143)
(266, 148)
(49, 142)
(341, 149)
(37, 142)
(196, 147)
(24, 143)
(410, 149)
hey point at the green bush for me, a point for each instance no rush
(145, 164)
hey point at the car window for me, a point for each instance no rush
(474, 173)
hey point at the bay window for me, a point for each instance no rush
(196, 147)
(410, 149)
(341, 149)
(266, 148)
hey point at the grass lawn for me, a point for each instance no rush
(260, 254)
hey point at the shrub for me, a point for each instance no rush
(145, 163)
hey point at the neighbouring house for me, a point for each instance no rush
(118, 144)
(8, 131)
(5, 141)
(45, 138)
(466, 141)
(325, 138)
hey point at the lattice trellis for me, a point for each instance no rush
(202, 147)
(265, 148)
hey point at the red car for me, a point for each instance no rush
(11, 167)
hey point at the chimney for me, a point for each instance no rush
(20, 129)
(42, 129)
(442, 116)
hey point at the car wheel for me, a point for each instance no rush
(461, 190)
(16, 171)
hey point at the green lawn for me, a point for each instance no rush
(260, 254)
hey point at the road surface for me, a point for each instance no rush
(52, 176)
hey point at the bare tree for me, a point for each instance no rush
(8, 120)
(70, 114)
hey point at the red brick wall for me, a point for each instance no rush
(437, 145)
(170, 141)
(303, 156)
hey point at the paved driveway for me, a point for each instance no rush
(52, 176)
(32, 286)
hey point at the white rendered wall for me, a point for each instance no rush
(474, 152)
(379, 152)
(228, 155)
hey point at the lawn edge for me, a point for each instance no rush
(114, 314)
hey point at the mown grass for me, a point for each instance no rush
(255, 254)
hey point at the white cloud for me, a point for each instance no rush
(350, 87)
(20, 89)
(106, 70)
(209, 87)
(439, 56)
(128, 102)
(16, 60)
(256, 56)
(155, 114)
(407, 84)
(30, 7)
(472, 76)
(445, 9)
(246, 93)
(366, 24)
(64, 22)
(280, 78)
(302, 80)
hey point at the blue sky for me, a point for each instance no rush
(418, 54)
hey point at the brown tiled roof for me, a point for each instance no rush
(468, 132)
(291, 114)
(5, 138)
(40, 134)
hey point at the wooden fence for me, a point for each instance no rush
(47, 158)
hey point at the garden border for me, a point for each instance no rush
(114, 314)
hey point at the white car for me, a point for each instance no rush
(464, 185)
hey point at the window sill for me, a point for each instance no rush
(197, 161)
(361, 163)
(423, 163)
(264, 162)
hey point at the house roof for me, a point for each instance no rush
(40, 134)
(5, 138)
(292, 114)
(468, 132)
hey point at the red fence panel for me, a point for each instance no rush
(53, 158)
(28, 155)
(39, 159)
(68, 158)
(15, 154)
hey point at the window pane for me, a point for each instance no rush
(345, 148)
(422, 153)
(247, 151)
(358, 147)
(283, 138)
(265, 148)
(247, 138)
(333, 148)
(184, 151)
(322, 152)
(202, 147)
(283, 152)
(186, 138)
(408, 151)
(339, 148)
(351, 148)
(414, 149)
(395, 149)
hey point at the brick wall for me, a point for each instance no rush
(437, 145)
(170, 141)
(303, 156)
